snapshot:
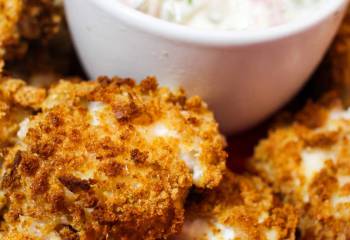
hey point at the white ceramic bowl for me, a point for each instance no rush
(244, 76)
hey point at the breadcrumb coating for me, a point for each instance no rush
(242, 207)
(335, 72)
(17, 101)
(22, 21)
(9, 16)
(307, 162)
(109, 160)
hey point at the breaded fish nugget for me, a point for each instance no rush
(242, 207)
(17, 101)
(109, 159)
(307, 161)
(22, 21)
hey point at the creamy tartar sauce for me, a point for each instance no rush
(227, 14)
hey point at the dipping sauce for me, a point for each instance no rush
(227, 14)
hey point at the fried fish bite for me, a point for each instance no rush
(242, 207)
(17, 101)
(22, 21)
(9, 16)
(109, 160)
(335, 71)
(308, 162)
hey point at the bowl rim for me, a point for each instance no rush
(177, 32)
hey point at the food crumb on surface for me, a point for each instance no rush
(107, 157)
(242, 207)
(308, 165)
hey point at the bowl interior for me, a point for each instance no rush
(132, 17)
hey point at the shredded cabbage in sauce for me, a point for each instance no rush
(227, 14)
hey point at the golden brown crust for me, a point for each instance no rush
(9, 16)
(242, 207)
(334, 72)
(307, 162)
(17, 101)
(108, 158)
(26, 20)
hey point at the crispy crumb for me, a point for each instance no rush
(335, 72)
(17, 102)
(22, 21)
(109, 158)
(308, 164)
(242, 207)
